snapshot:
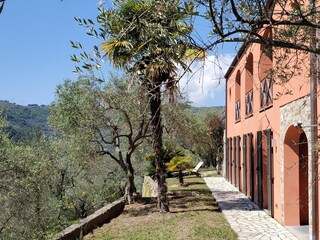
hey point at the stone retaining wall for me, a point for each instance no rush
(95, 220)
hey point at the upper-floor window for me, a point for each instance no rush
(266, 93)
(237, 111)
(265, 73)
(237, 97)
(249, 72)
(249, 85)
(249, 103)
(238, 85)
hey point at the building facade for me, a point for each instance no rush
(267, 141)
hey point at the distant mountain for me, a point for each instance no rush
(24, 121)
(217, 110)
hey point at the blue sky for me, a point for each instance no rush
(35, 51)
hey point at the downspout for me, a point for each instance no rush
(314, 129)
(226, 133)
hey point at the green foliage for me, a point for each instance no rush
(190, 129)
(148, 38)
(4, 140)
(179, 163)
(108, 115)
(215, 130)
(244, 21)
(150, 33)
(71, 112)
(46, 183)
(49, 183)
(98, 108)
(151, 170)
(169, 152)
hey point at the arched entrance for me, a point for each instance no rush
(296, 209)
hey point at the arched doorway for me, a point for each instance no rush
(296, 208)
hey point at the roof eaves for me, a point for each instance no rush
(235, 60)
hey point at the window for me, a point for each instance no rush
(238, 85)
(237, 97)
(265, 75)
(249, 103)
(249, 85)
(249, 72)
(265, 93)
(237, 111)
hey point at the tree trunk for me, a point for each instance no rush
(130, 190)
(155, 104)
(180, 177)
(214, 160)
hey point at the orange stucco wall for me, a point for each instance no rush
(263, 118)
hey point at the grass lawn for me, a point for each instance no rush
(193, 215)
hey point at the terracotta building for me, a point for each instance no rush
(268, 133)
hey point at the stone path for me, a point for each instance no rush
(244, 216)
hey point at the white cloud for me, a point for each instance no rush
(205, 85)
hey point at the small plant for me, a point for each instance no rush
(168, 152)
(179, 163)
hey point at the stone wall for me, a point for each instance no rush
(95, 220)
(149, 188)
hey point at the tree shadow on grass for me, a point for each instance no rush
(195, 183)
(195, 210)
(190, 200)
(140, 210)
(195, 191)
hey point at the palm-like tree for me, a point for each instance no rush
(179, 163)
(149, 39)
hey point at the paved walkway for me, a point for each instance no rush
(244, 216)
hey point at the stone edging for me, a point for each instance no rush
(97, 219)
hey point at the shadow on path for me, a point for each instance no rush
(243, 215)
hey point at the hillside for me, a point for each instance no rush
(25, 120)
(217, 110)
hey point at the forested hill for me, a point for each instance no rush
(218, 110)
(24, 121)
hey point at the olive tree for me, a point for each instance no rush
(109, 116)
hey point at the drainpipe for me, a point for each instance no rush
(314, 129)
(226, 132)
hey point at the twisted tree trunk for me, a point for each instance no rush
(130, 189)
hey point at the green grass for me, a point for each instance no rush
(193, 215)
